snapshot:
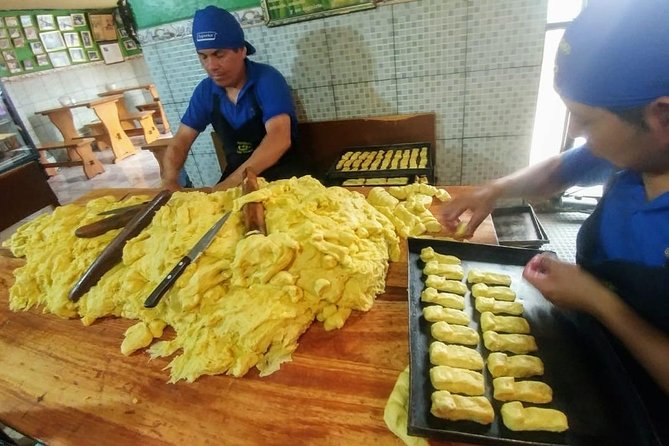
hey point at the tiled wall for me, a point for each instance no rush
(41, 91)
(476, 63)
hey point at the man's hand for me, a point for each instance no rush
(480, 202)
(171, 185)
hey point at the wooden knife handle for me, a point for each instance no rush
(107, 224)
(113, 253)
(254, 213)
(166, 283)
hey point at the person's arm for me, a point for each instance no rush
(275, 143)
(175, 156)
(567, 285)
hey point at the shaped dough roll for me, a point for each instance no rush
(496, 292)
(514, 343)
(518, 366)
(449, 271)
(508, 389)
(458, 407)
(484, 304)
(443, 284)
(457, 380)
(449, 300)
(519, 418)
(504, 324)
(478, 276)
(454, 334)
(455, 356)
(436, 313)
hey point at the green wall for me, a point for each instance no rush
(150, 13)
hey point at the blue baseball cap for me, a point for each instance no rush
(216, 28)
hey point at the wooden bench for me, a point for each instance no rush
(79, 152)
(158, 147)
(147, 127)
(159, 117)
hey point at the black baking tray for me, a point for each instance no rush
(589, 383)
(519, 226)
(333, 173)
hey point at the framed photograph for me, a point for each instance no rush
(31, 33)
(122, 32)
(87, 39)
(9, 55)
(52, 41)
(28, 64)
(43, 60)
(277, 13)
(37, 48)
(71, 39)
(59, 59)
(5, 43)
(78, 19)
(3, 33)
(92, 55)
(14, 33)
(14, 67)
(102, 27)
(77, 55)
(65, 23)
(19, 43)
(11, 21)
(26, 20)
(45, 22)
(129, 45)
(111, 53)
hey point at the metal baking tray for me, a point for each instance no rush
(589, 383)
(334, 173)
(519, 226)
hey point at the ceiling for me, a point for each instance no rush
(6, 5)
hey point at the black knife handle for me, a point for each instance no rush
(166, 283)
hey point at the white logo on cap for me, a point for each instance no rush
(205, 35)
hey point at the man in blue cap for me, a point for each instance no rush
(248, 104)
(612, 71)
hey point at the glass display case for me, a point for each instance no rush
(16, 148)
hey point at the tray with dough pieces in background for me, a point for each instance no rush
(589, 383)
(339, 172)
(519, 226)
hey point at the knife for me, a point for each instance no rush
(189, 258)
(113, 253)
(135, 207)
(115, 221)
(254, 213)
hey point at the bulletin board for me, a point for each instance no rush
(39, 40)
(150, 13)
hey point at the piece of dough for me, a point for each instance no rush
(449, 271)
(496, 292)
(519, 418)
(436, 313)
(484, 304)
(504, 324)
(508, 389)
(455, 356)
(454, 334)
(449, 300)
(514, 343)
(428, 253)
(443, 284)
(458, 407)
(518, 366)
(478, 276)
(457, 380)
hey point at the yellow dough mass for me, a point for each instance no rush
(518, 366)
(455, 356)
(519, 418)
(458, 407)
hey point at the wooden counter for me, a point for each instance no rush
(66, 384)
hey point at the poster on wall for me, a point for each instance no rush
(280, 12)
(102, 27)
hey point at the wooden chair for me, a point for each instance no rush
(79, 152)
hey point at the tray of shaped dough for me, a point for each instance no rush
(387, 161)
(493, 362)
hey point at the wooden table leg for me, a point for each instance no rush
(149, 127)
(163, 117)
(64, 122)
(122, 147)
(123, 111)
(92, 166)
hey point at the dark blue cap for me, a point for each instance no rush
(216, 28)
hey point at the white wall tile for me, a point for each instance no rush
(315, 104)
(488, 158)
(448, 165)
(366, 99)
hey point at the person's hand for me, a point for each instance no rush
(566, 284)
(171, 185)
(479, 201)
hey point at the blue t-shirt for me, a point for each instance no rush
(263, 82)
(631, 227)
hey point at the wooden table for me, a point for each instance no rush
(106, 110)
(66, 384)
(153, 91)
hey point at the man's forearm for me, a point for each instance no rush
(538, 181)
(176, 153)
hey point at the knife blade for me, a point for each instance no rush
(186, 260)
(113, 253)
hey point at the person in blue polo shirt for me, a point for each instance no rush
(612, 71)
(248, 104)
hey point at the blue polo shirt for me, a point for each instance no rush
(632, 228)
(263, 83)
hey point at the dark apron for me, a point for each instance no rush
(646, 290)
(239, 144)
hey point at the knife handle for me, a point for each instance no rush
(166, 283)
(106, 224)
(254, 213)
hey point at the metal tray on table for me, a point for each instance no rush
(589, 383)
(519, 226)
